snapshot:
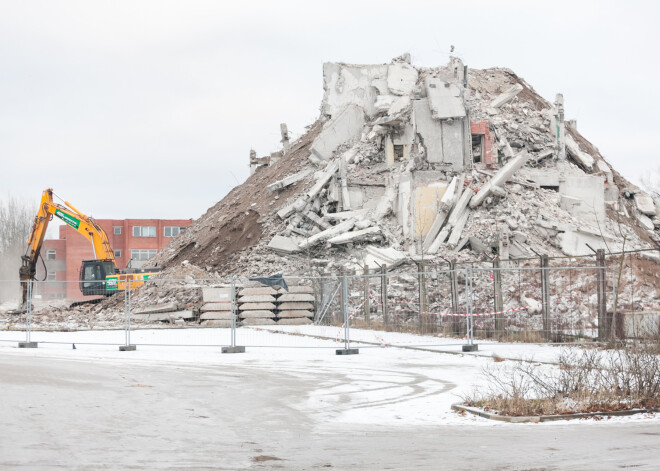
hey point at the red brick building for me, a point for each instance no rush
(133, 241)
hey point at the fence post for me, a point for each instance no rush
(28, 319)
(453, 284)
(604, 323)
(233, 348)
(347, 350)
(367, 306)
(383, 294)
(423, 301)
(127, 347)
(498, 302)
(470, 346)
(545, 296)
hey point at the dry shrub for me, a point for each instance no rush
(587, 380)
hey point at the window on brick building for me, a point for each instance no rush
(51, 254)
(117, 253)
(143, 254)
(116, 230)
(172, 231)
(51, 276)
(144, 231)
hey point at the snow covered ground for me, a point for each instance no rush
(185, 406)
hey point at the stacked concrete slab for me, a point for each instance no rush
(256, 306)
(216, 309)
(296, 306)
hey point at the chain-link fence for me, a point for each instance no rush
(514, 301)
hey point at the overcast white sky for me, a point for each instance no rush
(140, 109)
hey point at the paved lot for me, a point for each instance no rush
(254, 412)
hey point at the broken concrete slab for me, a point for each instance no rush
(644, 204)
(506, 96)
(295, 321)
(345, 127)
(442, 140)
(216, 315)
(589, 191)
(257, 298)
(445, 99)
(258, 321)
(500, 178)
(316, 219)
(224, 324)
(284, 245)
(327, 234)
(355, 236)
(216, 295)
(296, 297)
(645, 222)
(256, 307)
(257, 314)
(346, 84)
(164, 316)
(156, 308)
(261, 290)
(401, 78)
(581, 157)
(375, 257)
(293, 305)
(208, 307)
(296, 313)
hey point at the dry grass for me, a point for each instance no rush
(587, 380)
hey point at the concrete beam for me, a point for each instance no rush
(506, 96)
(500, 177)
(327, 234)
(290, 180)
(581, 157)
(355, 236)
(461, 205)
(457, 230)
(439, 221)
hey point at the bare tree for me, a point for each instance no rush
(651, 183)
(16, 218)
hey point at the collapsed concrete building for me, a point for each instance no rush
(408, 163)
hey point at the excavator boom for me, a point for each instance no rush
(73, 217)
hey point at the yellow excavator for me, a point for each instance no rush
(97, 277)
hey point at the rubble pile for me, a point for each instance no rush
(408, 164)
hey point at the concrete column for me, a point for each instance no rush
(253, 159)
(561, 127)
(285, 137)
(389, 151)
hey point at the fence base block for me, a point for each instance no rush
(347, 351)
(233, 349)
(27, 345)
(471, 348)
(127, 348)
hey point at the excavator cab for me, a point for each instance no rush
(92, 276)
